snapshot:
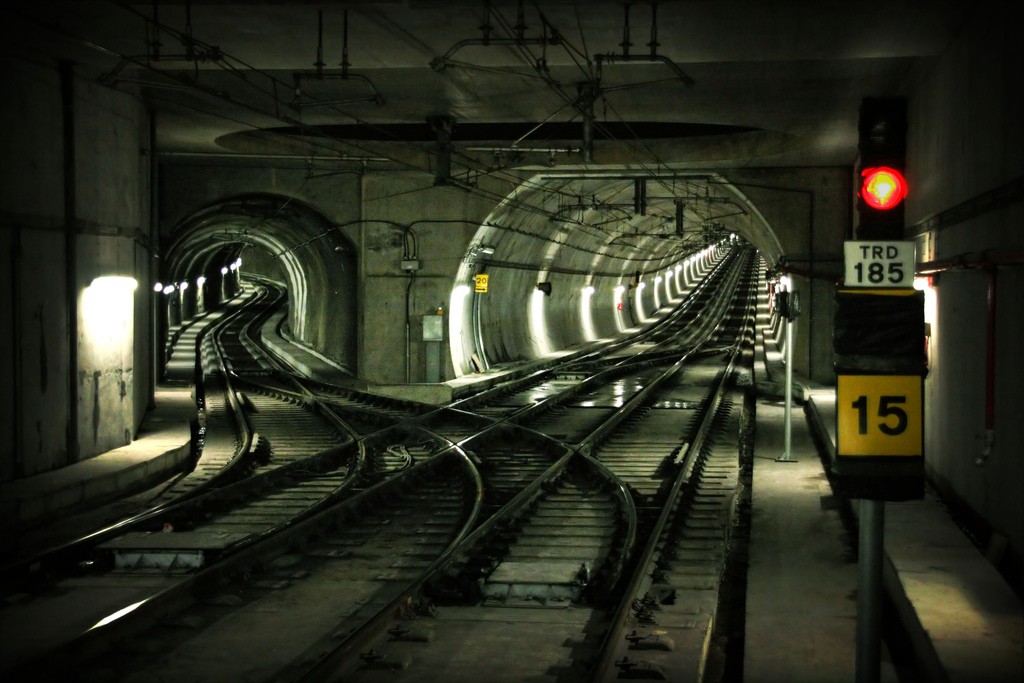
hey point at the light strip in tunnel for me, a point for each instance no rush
(538, 325)
(456, 319)
(107, 310)
(640, 315)
(586, 314)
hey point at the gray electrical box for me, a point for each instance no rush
(433, 328)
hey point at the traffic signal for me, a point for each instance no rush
(882, 143)
(882, 188)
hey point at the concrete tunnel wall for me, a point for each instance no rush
(245, 208)
(74, 206)
(965, 162)
(396, 215)
(965, 158)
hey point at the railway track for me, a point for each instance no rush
(567, 546)
(547, 477)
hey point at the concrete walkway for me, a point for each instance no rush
(964, 622)
(160, 449)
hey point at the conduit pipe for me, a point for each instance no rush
(989, 261)
(67, 92)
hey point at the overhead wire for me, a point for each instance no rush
(231, 65)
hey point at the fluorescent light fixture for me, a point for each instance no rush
(107, 311)
(931, 301)
(640, 315)
(114, 283)
(586, 315)
(538, 325)
(456, 319)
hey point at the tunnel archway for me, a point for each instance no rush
(574, 257)
(292, 243)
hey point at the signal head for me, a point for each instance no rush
(882, 187)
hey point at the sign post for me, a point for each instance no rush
(870, 551)
(878, 342)
(789, 307)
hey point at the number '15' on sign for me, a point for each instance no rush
(879, 415)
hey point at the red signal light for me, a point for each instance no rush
(883, 187)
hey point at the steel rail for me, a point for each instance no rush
(256, 549)
(73, 551)
(323, 662)
(605, 666)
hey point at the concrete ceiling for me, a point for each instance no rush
(729, 84)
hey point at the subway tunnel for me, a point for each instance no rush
(453, 196)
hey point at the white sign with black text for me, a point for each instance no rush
(878, 264)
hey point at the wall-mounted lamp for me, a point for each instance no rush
(158, 287)
(183, 286)
(544, 287)
(224, 270)
(200, 280)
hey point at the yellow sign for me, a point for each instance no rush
(481, 283)
(879, 415)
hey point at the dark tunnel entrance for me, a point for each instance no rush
(278, 238)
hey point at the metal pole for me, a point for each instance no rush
(787, 453)
(869, 590)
